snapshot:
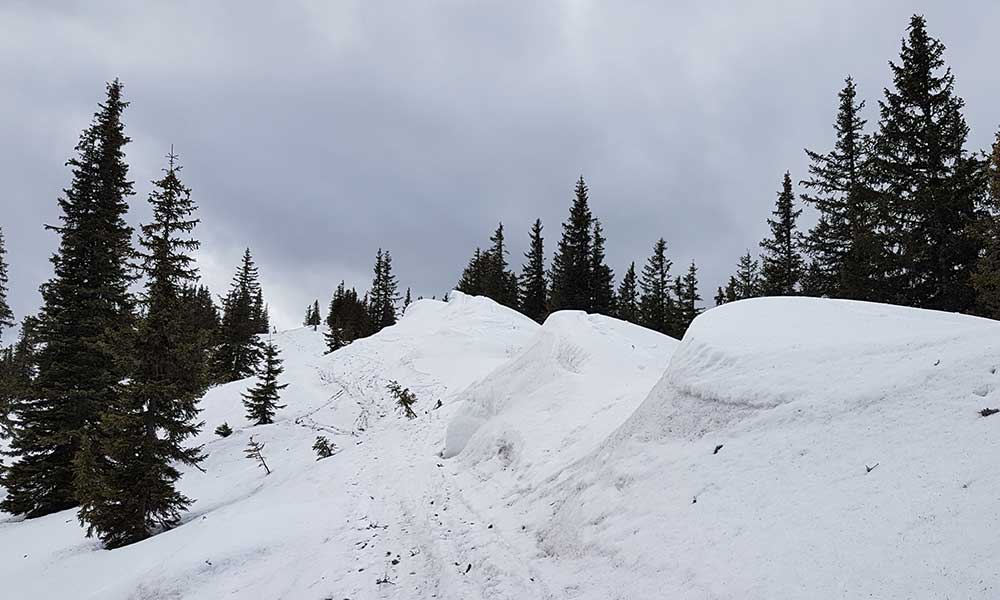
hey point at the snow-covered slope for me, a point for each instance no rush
(790, 448)
(581, 377)
(804, 396)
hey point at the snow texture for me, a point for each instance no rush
(787, 448)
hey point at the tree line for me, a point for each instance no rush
(907, 214)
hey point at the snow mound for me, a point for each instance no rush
(797, 448)
(580, 377)
(295, 533)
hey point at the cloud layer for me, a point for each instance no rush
(315, 132)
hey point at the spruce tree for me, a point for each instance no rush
(687, 301)
(126, 473)
(383, 296)
(407, 300)
(474, 276)
(602, 290)
(720, 297)
(731, 290)
(928, 184)
(533, 283)
(16, 380)
(6, 315)
(501, 283)
(656, 306)
(782, 263)
(747, 282)
(84, 323)
(570, 278)
(842, 244)
(313, 317)
(346, 319)
(261, 401)
(986, 279)
(627, 307)
(239, 348)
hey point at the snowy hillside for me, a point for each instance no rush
(586, 458)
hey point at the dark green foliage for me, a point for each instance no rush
(323, 447)
(782, 263)
(407, 300)
(243, 317)
(627, 308)
(656, 306)
(747, 282)
(986, 279)
(404, 398)
(347, 318)
(602, 278)
(570, 278)
(127, 469)
(533, 283)
(487, 273)
(202, 310)
(383, 296)
(261, 401)
(720, 297)
(313, 317)
(686, 308)
(927, 183)
(255, 452)
(17, 374)
(224, 430)
(6, 315)
(84, 322)
(843, 243)
(473, 279)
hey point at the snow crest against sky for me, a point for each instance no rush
(315, 132)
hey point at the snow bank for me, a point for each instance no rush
(796, 448)
(581, 377)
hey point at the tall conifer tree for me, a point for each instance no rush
(656, 306)
(782, 262)
(85, 321)
(239, 349)
(126, 473)
(986, 279)
(383, 296)
(928, 183)
(602, 278)
(533, 282)
(627, 307)
(842, 244)
(570, 279)
(687, 300)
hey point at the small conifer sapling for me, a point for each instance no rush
(253, 451)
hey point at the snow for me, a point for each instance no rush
(578, 459)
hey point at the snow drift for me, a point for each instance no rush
(798, 448)
(786, 448)
(581, 377)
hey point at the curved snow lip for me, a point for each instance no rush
(579, 378)
(755, 355)
(841, 440)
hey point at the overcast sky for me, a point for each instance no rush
(315, 132)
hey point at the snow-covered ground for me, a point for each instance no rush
(579, 460)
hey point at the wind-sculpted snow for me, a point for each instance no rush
(579, 379)
(786, 448)
(798, 448)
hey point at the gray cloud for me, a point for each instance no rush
(315, 132)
